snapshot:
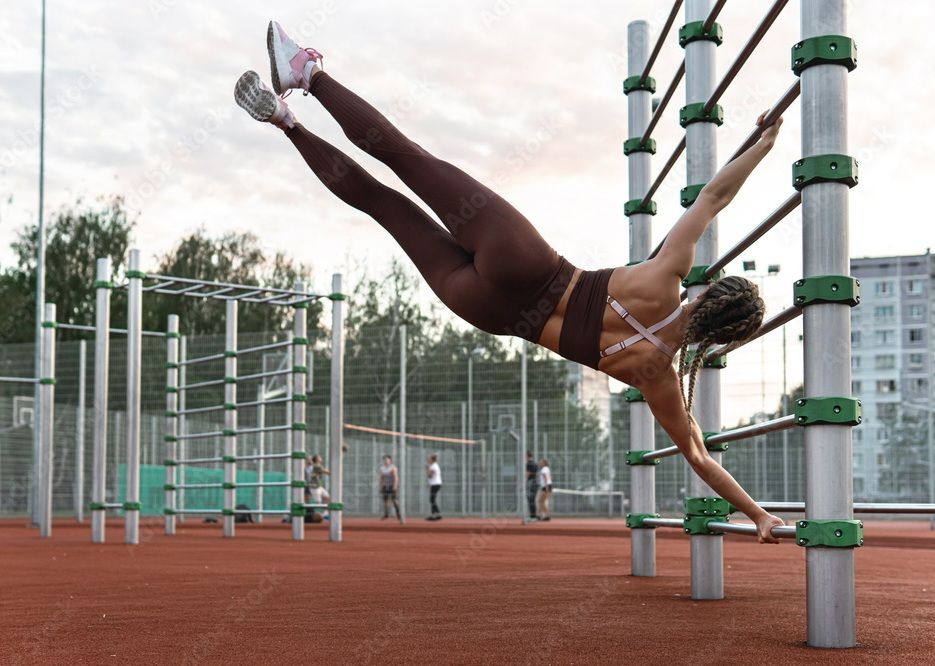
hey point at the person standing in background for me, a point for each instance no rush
(434, 473)
(544, 479)
(389, 487)
(532, 471)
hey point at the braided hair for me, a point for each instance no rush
(730, 311)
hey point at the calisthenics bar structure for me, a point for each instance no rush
(821, 178)
(137, 283)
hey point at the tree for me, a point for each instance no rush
(230, 257)
(76, 237)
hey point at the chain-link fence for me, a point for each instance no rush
(469, 396)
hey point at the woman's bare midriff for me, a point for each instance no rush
(643, 360)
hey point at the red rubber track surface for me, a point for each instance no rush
(456, 591)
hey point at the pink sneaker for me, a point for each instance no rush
(255, 97)
(291, 65)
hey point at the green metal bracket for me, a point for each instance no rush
(298, 484)
(824, 50)
(696, 276)
(636, 458)
(168, 462)
(227, 485)
(707, 506)
(699, 524)
(230, 380)
(826, 289)
(633, 207)
(98, 506)
(687, 195)
(172, 366)
(721, 446)
(169, 438)
(299, 370)
(169, 512)
(169, 486)
(47, 381)
(172, 389)
(635, 521)
(634, 145)
(694, 113)
(299, 426)
(299, 341)
(49, 324)
(228, 512)
(718, 362)
(633, 395)
(829, 533)
(831, 168)
(172, 335)
(227, 432)
(829, 411)
(296, 510)
(228, 459)
(230, 354)
(337, 297)
(230, 406)
(298, 397)
(335, 506)
(299, 455)
(300, 306)
(632, 83)
(694, 31)
(102, 284)
(132, 506)
(139, 275)
(171, 414)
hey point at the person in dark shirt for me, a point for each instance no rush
(531, 485)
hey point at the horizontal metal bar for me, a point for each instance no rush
(265, 456)
(190, 486)
(201, 410)
(778, 109)
(664, 522)
(92, 329)
(771, 324)
(780, 532)
(271, 345)
(753, 430)
(199, 461)
(201, 435)
(263, 484)
(744, 244)
(250, 431)
(264, 512)
(315, 506)
(19, 380)
(264, 375)
(663, 103)
(234, 286)
(679, 149)
(197, 385)
(197, 511)
(744, 432)
(745, 52)
(257, 403)
(660, 40)
(202, 359)
(859, 507)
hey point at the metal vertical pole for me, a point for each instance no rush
(642, 433)
(337, 405)
(172, 420)
(826, 329)
(785, 433)
(40, 275)
(464, 450)
(102, 286)
(707, 552)
(181, 447)
(230, 416)
(402, 420)
(47, 418)
(131, 505)
(299, 371)
(522, 443)
(470, 420)
(260, 448)
(79, 430)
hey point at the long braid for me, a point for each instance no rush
(730, 311)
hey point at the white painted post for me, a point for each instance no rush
(131, 505)
(102, 287)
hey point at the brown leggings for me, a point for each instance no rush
(491, 267)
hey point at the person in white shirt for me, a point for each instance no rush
(434, 474)
(544, 479)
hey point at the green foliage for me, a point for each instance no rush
(76, 236)
(230, 257)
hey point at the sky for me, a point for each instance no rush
(526, 96)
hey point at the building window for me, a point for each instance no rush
(855, 388)
(886, 386)
(855, 362)
(855, 338)
(913, 286)
(886, 410)
(884, 313)
(884, 337)
(918, 385)
(884, 362)
(916, 361)
(916, 311)
(858, 435)
(881, 458)
(883, 288)
(916, 334)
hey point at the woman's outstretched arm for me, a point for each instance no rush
(665, 401)
(678, 250)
